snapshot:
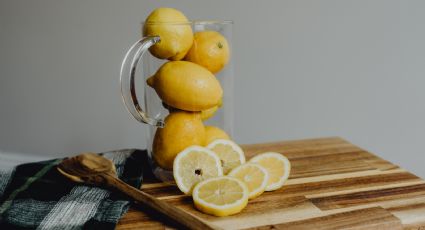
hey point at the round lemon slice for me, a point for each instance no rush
(254, 176)
(230, 154)
(221, 196)
(195, 164)
(278, 167)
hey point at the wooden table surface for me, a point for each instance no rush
(333, 185)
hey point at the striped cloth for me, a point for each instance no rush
(36, 196)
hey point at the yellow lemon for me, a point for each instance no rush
(208, 113)
(205, 114)
(213, 133)
(174, 30)
(254, 176)
(182, 129)
(278, 167)
(186, 86)
(195, 164)
(220, 196)
(210, 49)
(230, 154)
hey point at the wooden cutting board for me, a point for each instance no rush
(333, 185)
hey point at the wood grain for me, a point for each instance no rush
(365, 197)
(333, 185)
(372, 218)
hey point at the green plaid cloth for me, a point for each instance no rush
(36, 196)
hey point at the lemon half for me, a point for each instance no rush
(254, 176)
(230, 154)
(193, 165)
(221, 196)
(278, 167)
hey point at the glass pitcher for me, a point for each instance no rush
(155, 110)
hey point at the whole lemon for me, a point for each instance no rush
(186, 86)
(182, 129)
(213, 133)
(205, 114)
(208, 113)
(210, 50)
(174, 30)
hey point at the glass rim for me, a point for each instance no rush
(194, 22)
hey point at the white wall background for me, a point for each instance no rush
(354, 69)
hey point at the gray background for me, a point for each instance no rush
(303, 69)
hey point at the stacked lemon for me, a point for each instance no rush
(204, 160)
(186, 83)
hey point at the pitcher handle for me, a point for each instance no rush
(127, 75)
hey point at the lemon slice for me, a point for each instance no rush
(230, 154)
(195, 164)
(221, 196)
(278, 167)
(254, 176)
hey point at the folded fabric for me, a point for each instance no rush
(37, 196)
